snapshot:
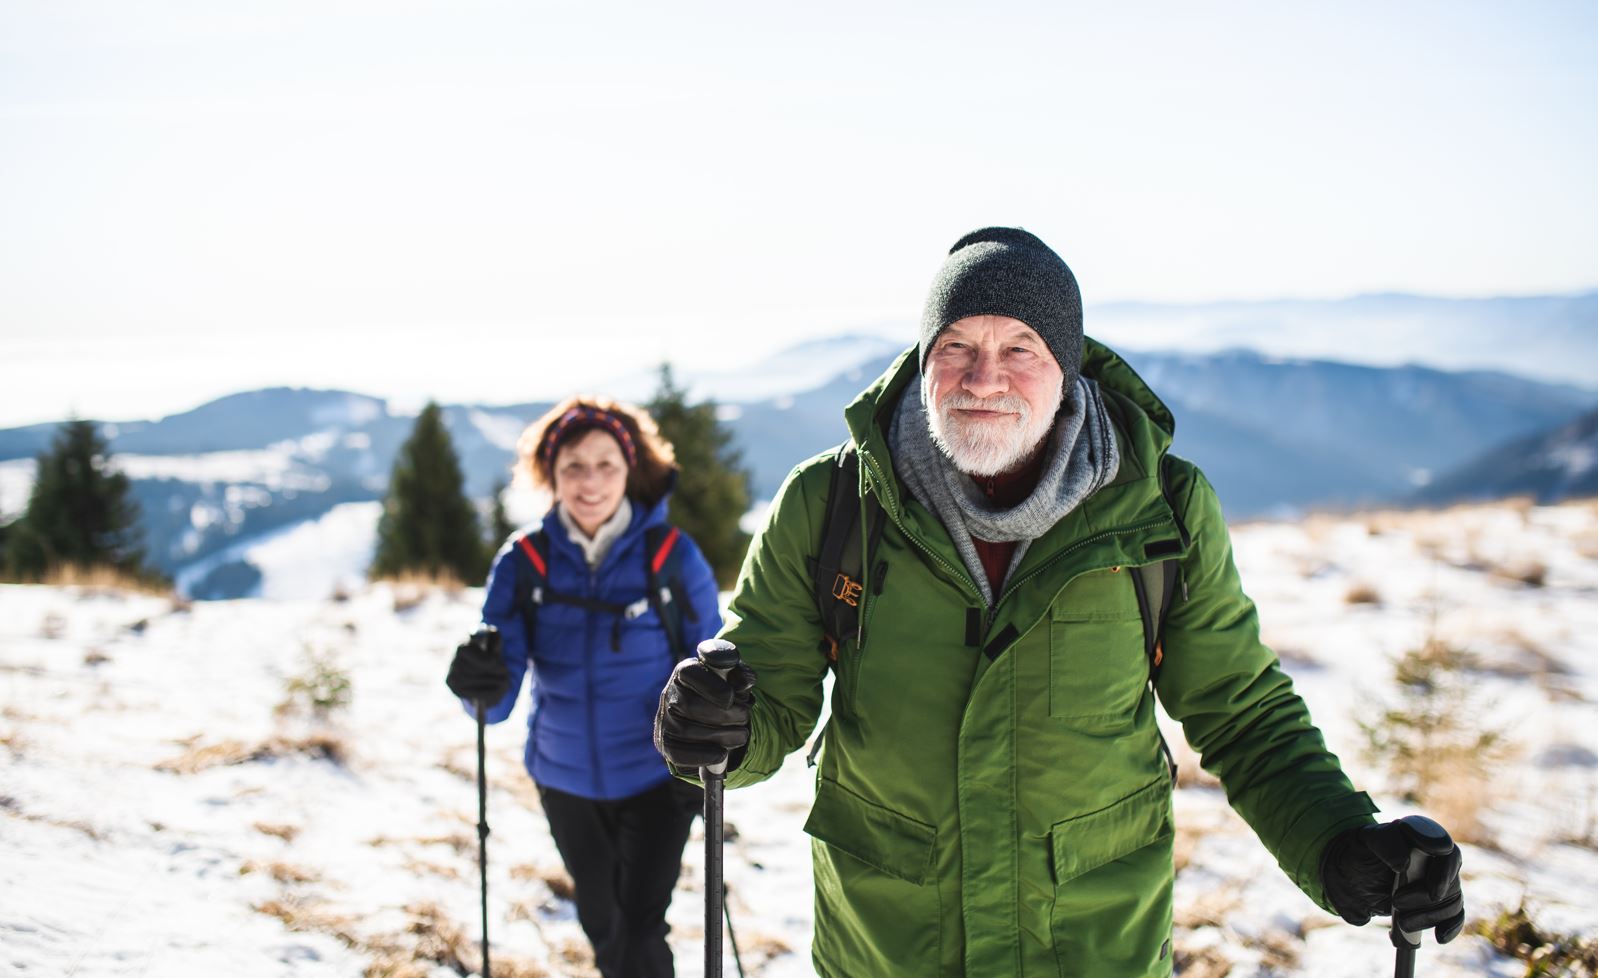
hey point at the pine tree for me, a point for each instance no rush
(80, 512)
(713, 487)
(428, 525)
(500, 528)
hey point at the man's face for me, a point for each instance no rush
(991, 388)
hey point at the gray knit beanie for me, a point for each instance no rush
(1008, 272)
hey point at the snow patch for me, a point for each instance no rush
(268, 466)
(501, 430)
(16, 485)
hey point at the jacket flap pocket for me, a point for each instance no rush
(1089, 841)
(1100, 595)
(879, 837)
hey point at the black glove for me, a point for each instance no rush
(477, 672)
(1359, 867)
(704, 719)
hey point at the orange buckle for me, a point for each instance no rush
(847, 590)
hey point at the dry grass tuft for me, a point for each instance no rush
(414, 587)
(761, 948)
(1207, 962)
(1363, 593)
(322, 746)
(578, 955)
(1547, 954)
(305, 917)
(12, 807)
(288, 833)
(554, 877)
(420, 867)
(452, 764)
(96, 578)
(1211, 909)
(285, 873)
(460, 842)
(430, 939)
(1531, 573)
(1279, 952)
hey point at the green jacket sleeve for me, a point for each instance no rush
(1238, 708)
(773, 620)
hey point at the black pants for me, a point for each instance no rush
(624, 858)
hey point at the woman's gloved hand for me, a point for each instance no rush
(702, 718)
(1360, 866)
(478, 672)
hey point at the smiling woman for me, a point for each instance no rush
(599, 603)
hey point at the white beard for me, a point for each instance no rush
(984, 448)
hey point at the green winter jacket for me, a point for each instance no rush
(998, 803)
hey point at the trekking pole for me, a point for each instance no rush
(720, 657)
(1429, 839)
(732, 935)
(482, 830)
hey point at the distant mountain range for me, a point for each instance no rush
(1544, 337)
(1548, 466)
(1273, 434)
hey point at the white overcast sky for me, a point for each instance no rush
(499, 201)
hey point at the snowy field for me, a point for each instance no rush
(171, 804)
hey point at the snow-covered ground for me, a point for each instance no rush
(160, 815)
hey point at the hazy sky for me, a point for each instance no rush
(497, 201)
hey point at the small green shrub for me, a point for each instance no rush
(1547, 954)
(320, 691)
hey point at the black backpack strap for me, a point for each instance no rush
(666, 593)
(836, 568)
(1157, 585)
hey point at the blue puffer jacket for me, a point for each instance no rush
(590, 730)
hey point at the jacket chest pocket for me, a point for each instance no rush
(1097, 666)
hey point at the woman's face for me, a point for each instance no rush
(591, 478)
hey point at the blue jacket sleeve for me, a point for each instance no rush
(702, 595)
(499, 610)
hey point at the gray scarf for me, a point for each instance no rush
(1082, 458)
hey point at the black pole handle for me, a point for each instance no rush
(1428, 840)
(721, 657)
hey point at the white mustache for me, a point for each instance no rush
(1006, 403)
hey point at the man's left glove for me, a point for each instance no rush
(478, 672)
(1360, 865)
(702, 718)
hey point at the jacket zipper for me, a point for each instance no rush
(588, 672)
(959, 574)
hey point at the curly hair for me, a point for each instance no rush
(654, 462)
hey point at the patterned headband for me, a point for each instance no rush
(587, 418)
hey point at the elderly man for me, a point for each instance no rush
(994, 796)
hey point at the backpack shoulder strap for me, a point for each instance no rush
(836, 568)
(1157, 585)
(532, 577)
(666, 594)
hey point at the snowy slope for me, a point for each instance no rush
(158, 816)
